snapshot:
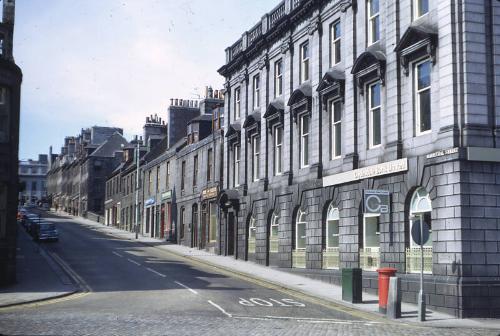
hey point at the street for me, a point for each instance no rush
(133, 289)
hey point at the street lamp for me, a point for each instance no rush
(137, 154)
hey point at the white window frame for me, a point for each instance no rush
(416, 6)
(301, 220)
(420, 205)
(274, 224)
(252, 232)
(256, 91)
(371, 110)
(304, 140)
(236, 165)
(278, 78)
(417, 92)
(371, 20)
(255, 157)
(278, 150)
(333, 128)
(237, 103)
(304, 62)
(332, 215)
(335, 43)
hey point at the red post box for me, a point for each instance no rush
(383, 287)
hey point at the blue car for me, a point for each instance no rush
(46, 231)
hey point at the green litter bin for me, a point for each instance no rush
(352, 285)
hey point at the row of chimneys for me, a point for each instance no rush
(183, 102)
(210, 93)
(154, 120)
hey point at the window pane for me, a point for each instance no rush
(337, 111)
(333, 231)
(375, 29)
(336, 30)
(374, 7)
(375, 95)
(301, 235)
(425, 110)
(305, 51)
(424, 75)
(337, 52)
(423, 7)
(338, 139)
(274, 231)
(376, 127)
(305, 124)
(371, 236)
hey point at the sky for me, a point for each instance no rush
(114, 62)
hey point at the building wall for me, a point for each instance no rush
(443, 161)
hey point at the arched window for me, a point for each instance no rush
(420, 210)
(273, 234)
(300, 230)
(332, 227)
(252, 228)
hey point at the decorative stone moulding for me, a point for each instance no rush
(332, 85)
(274, 113)
(369, 66)
(418, 41)
(233, 134)
(252, 124)
(301, 100)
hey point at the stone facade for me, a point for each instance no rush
(10, 93)
(33, 179)
(411, 97)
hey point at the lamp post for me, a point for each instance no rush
(137, 154)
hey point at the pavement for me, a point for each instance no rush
(296, 283)
(39, 277)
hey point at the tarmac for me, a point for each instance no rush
(40, 278)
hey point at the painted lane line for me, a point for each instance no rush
(189, 289)
(220, 308)
(134, 262)
(117, 254)
(155, 272)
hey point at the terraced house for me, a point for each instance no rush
(347, 122)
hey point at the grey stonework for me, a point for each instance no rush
(461, 42)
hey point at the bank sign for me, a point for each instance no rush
(376, 201)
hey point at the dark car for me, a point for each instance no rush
(45, 231)
(31, 220)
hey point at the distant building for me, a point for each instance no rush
(33, 180)
(10, 92)
(76, 179)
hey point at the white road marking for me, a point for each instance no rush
(133, 262)
(220, 308)
(158, 273)
(306, 320)
(117, 254)
(189, 289)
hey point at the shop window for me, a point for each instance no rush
(420, 211)
(251, 234)
(273, 233)
(331, 252)
(213, 222)
(369, 254)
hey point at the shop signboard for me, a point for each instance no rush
(209, 193)
(376, 201)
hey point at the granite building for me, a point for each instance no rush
(33, 180)
(77, 178)
(10, 93)
(348, 122)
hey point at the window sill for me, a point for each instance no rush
(417, 134)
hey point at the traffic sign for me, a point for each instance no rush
(415, 231)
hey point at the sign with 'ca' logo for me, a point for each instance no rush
(376, 201)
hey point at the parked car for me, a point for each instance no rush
(45, 231)
(31, 220)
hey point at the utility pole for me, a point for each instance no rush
(137, 154)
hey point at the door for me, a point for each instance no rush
(194, 231)
(204, 221)
(162, 221)
(230, 233)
